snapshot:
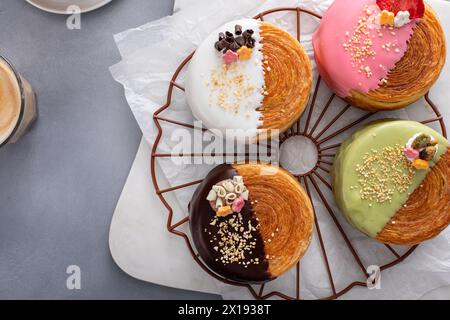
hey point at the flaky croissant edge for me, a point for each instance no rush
(414, 74)
(288, 78)
(427, 211)
(280, 203)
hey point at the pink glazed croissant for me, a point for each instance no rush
(377, 59)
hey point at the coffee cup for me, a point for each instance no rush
(18, 107)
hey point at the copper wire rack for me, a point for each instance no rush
(315, 179)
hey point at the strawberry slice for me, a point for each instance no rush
(388, 5)
(416, 8)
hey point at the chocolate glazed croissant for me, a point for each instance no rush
(288, 78)
(277, 210)
(410, 225)
(414, 74)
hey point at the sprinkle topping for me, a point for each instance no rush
(373, 27)
(384, 172)
(234, 239)
(230, 87)
(360, 45)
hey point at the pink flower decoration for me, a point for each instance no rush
(411, 153)
(230, 57)
(238, 204)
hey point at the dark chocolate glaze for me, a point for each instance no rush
(201, 214)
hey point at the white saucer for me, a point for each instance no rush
(60, 6)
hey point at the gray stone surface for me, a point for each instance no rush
(60, 183)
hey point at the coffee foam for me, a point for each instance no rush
(9, 101)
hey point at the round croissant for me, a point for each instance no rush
(252, 81)
(373, 66)
(288, 78)
(383, 187)
(414, 74)
(277, 207)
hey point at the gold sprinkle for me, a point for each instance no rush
(360, 45)
(233, 240)
(384, 172)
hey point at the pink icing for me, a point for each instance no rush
(333, 46)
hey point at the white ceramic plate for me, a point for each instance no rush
(60, 6)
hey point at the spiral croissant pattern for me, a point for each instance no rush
(427, 211)
(288, 78)
(414, 74)
(280, 203)
(278, 211)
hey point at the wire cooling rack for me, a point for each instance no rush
(314, 179)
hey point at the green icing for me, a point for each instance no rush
(371, 217)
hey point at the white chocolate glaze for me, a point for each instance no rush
(232, 106)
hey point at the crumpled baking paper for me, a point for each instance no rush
(150, 55)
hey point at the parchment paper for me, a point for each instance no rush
(152, 52)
